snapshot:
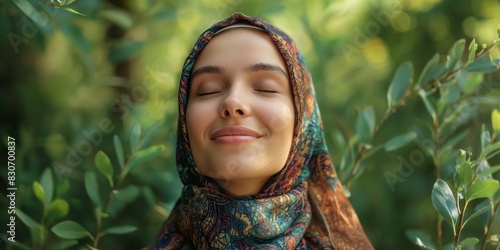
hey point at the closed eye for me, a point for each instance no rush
(208, 93)
(267, 90)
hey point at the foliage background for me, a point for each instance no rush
(121, 61)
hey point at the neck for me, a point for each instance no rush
(241, 187)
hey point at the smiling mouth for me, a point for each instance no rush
(235, 135)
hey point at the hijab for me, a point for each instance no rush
(301, 207)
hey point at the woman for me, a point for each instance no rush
(251, 150)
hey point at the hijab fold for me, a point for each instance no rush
(301, 207)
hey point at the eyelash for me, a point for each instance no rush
(267, 90)
(260, 90)
(208, 93)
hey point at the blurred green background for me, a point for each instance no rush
(64, 75)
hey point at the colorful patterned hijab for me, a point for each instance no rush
(301, 207)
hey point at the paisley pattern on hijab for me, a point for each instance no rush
(301, 207)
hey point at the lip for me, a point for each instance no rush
(235, 134)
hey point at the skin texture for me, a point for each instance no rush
(240, 81)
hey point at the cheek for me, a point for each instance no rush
(197, 120)
(281, 118)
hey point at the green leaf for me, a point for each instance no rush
(495, 120)
(92, 187)
(122, 198)
(485, 138)
(47, 182)
(146, 154)
(420, 238)
(428, 73)
(68, 2)
(450, 143)
(70, 230)
(135, 135)
(482, 64)
(449, 246)
(63, 244)
(438, 72)
(464, 174)
(120, 230)
(462, 157)
(482, 189)
(496, 62)
(349, 155)
(365, 124)
(103, 164)
(118, 17)
(119, 150)
(72, 11)
(38, 19)
(400, 83)
(472, 51)
(339, 140)
(444, 201)
(450, 93)
(469, 82)
(482, 166)
(124, 50)
(480, 209)
(484, 217)
(399, 141)
(150, 134)
(487, 172)
(467, 242)
(39, 192)
(492, 150)
(57, 209)
(128, 194)
(62, 188)
(149, 196)
(30, 223)
(454, 55)
(427, 103)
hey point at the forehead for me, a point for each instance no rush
(237, 48)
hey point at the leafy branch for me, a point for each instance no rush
(55, 209)
(441, 87)
(431, 79)
(103, 164)
(61, 4)
(472, 180)
(117, 197)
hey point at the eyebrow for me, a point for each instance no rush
(252, 68)
(265, 67)
(207, 69)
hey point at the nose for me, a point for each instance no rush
(235, 104)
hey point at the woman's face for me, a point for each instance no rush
(240, 112)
